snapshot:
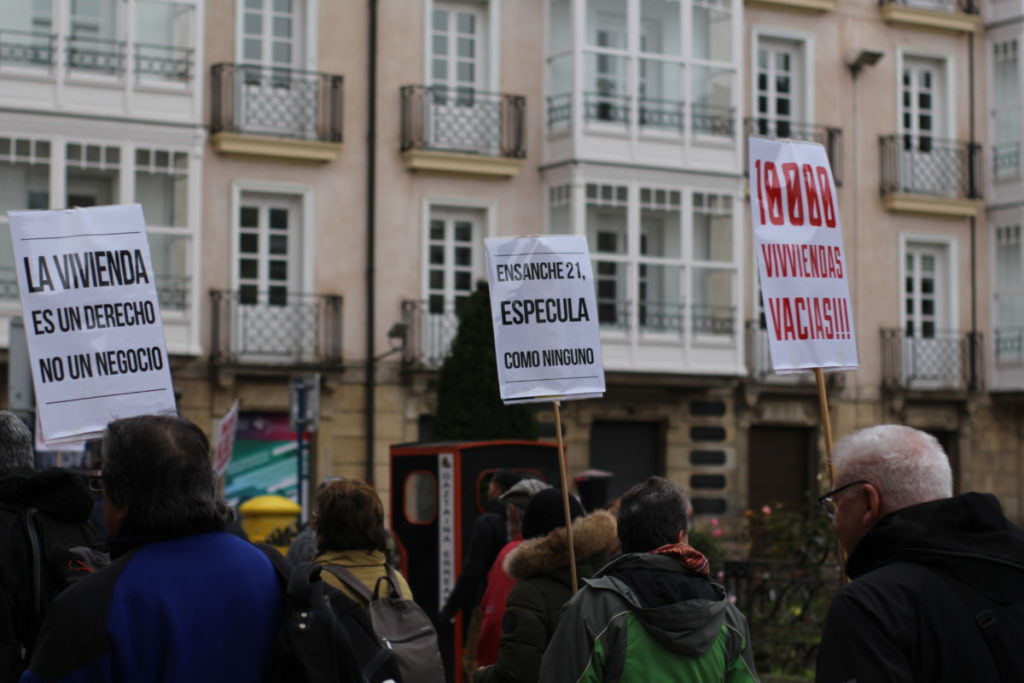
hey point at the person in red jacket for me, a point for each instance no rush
(499, 583)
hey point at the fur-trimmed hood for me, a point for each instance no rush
(593, 536)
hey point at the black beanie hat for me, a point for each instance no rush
(546, 512)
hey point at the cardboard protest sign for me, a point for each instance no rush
(225, 440)
(546, 333)
(799, 244)
(92, 319)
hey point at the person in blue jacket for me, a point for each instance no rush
(182, 600)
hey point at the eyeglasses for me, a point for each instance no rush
(95, 479)
(827, 502)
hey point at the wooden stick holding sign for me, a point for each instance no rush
(826, 423)
(546, 335)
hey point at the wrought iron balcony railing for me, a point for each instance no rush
(1010, 346)
(829, 136)
(714, 320)
(27, 48)
(282, 103)
(662, 114)
(295, 330)
(964, 6)
(949, 361)
(428, 335)
(711, 119)
(163, 62)
(1006, 160)
(664, 317)
(96, 55)
(920, 164)
(463, 120)
(606, 108)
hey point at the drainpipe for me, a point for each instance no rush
(973, 345)
(371, 247)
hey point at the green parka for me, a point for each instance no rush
(541, 566)
(644, 617)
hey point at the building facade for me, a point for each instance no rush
(319, 177)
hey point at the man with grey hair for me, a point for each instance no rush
(43, 518)
(938, 580)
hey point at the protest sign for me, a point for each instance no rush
(800, 258)
(92, 319)
(225, 440)
(546, 335)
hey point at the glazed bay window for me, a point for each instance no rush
(1009, 295)
(660, 262)
(163, 47)
(24, 184)
(607, 237)
(661, 69)
(714, 270)
(714, 74)
(161, 186)
(92, 175)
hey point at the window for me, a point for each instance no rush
(559, 218)
(24, 184)
(453, 260)
(778, 86)
(93, 174)
(269, 232)
(652, 65)
(161, 186)
(163, 40)
(95, 44)
(663, 259)
(931, 344)
(929, 162)
(1006, 109)
(1009, 293)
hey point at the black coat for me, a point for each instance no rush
(901, 619)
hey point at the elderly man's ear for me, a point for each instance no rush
(872, 505)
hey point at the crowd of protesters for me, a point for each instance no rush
(937, 590)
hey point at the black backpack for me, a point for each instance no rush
(324, 636)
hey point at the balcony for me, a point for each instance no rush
(1010, 346)
(461, 130)
(830, 137)
(291, 330)
(947, 361)
(1006, 161)
(666, 318)
(928, 175)
(653, 115)
(428, 336)
(945, 15)
(27, 49)
(272, 112)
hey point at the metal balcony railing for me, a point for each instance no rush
(613, 314)
(664, 317)
(297, 330)
(609, 108)
(965, 6)
(664, 115)
(1010, 346)
(920, 164)
(711, 119)
(714, 320)
(829, 136)
(26, 48)
(428, 335)
(948, 361)
(282, 103)
(163, 62)
(463, 120)
(96, 55)
(559, 110)
(1006, 160)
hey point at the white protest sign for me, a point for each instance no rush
(800, 258)
(226, 440)
(546, 333)
(92, 320)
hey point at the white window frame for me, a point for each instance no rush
(948, 66)
(489, 213)
(951, 293)
(491, 36)
(806, 44)
(310, 10)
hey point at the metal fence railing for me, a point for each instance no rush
(932, 166)
(97, 55)
(463, 120)
(295, 330)
(163, 62)
(1006, 160)
(428, 335)
(606, 108)
(965, 6)
(711, 119)
(1010, 345)
(27, 48)
(829, 136)
(284, 103)
(948, 360)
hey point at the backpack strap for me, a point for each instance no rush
(985, 621)
(350, 580)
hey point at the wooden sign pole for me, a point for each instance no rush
(563, 466)
(826, 423)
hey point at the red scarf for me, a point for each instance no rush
(691, 558)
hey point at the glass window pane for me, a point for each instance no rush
(282, 5)
(91, 187)
(437, 254)
(247, 294)
(463, 281)
(463, 256)
(253, 23)
(560, 25)
(466, 48)
(440, 20)
(712, 231)
(248, 217)
(248, 268)
(164, 198)
(660, 233)
(437, 279)
(437, 230)
(712, 32)
(282, 52)
(279, 244)
(466, 23)
(660, 27)
(278, 270)
(420, 498)
(170, 256)
(463, 231)
(252, 50)
(712, 301)
(279, 219)
(277, 296)
(282, 27)
(249, 242)
(24, 186)
(606, 23)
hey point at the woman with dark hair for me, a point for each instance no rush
(349, 523)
